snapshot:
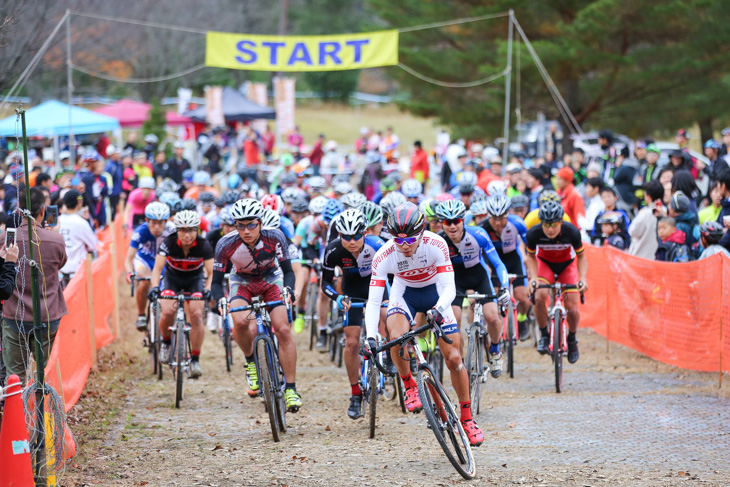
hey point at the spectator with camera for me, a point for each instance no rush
(49, 251)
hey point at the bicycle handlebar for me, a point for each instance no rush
(412, 334)
(556, 286)
(183, 297)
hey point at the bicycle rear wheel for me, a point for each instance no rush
(510, 343)
(445, 424)
(312, 314)
(265, 367)
(179, 350)
(557, 340)
(474, 368)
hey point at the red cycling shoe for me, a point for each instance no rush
(476, 437)
(413, 400)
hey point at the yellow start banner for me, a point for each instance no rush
(301, 53)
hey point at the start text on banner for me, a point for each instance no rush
(301, 53)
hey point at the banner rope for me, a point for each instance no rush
(139, 80)
(446, 84)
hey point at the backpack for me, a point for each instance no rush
(678, 253)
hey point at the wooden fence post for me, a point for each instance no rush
(92, 321)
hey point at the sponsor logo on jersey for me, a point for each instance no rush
(379, 258)
(418, 275)
(402, 265)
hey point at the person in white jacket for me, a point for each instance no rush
(76, 231)
(594, 207)
(643, 229)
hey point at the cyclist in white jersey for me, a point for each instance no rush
(424, 280)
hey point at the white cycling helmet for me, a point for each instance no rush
(271, 220)
(350, 222)
(316, 206)
(247, 209)
(411, 188)
(496, 187)
(498, 205)
(343, 188)
(157, 211)
(187, 219)
(317, 183)
(146, 183)
(201, 178)
(354, 200)
(290, 194)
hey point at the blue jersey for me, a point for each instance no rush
(147, 244)
(287, 227)
(471, 250)
(508, 241)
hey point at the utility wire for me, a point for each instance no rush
(453, 22)
(447, 84)
(141, 22)
(570, 120)
(139, 80)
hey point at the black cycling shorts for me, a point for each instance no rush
(358, 288)
(514, 265)
(475, 278)
(192, 283)
(309, 253)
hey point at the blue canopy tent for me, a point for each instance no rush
(51, 119)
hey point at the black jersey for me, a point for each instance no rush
(356, 271)
(185, 265)
(560, 249)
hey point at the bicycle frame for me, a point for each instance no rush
(558, 307)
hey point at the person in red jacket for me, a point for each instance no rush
(569, 197)
(419, 163)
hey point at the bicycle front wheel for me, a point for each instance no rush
(373, 380)
(152, 337)
(445, 424)
(264, 362)
(557, 340)
(510, 343)
(400, 392)
(227, 342)
(474, 368)
(179, 349)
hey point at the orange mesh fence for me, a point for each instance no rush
(71, 347)
(103, 298)
(71, 355)
(674, 313)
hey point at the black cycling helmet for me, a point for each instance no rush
(299, 205)
(189, 204)
(206, 197)
(520, 201)
(220, 202)
(712, 231)
(230, 196)
(466, 188)
(406, 220)
(550, 211)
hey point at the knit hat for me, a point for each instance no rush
(679, 202)
(566, 173)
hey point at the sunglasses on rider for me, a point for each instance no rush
(187, 230)
(406, 240)
(348, 238)
(244, 226)
(551, 225)
(452, 221)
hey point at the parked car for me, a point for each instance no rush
(589, 143)
(667, 147)
(528, 131)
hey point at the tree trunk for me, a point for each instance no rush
(705, 130)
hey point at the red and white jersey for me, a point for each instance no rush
(429, 265)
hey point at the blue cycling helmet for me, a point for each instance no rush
(157, 211)
(188, 175)
(332, 209)
(447, 210)
(173, 201)
(234, 181)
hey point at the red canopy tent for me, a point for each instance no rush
(131, 113)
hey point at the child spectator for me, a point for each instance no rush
(710, 235)
(611, 224)
(712, 211)
(686, 219)
(610, 198)
(672, 247)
